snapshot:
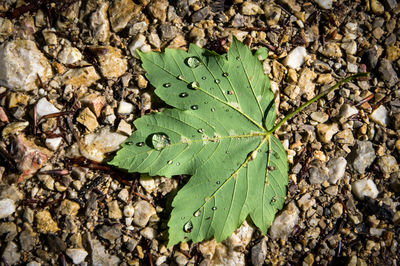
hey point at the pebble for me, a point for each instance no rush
(272, 14)
(395, 181)
(137, 43)
(331, 50)
(350, 47)
(54, 143)
(148, 183)
(123, 195)
(99, 23)
(318, 173)
(96, 145)
(296, 57)
(346, 111)
(143, 212)
(380, 116)
(284, 222)
(111, 233)
(326, 132)
(94, 101)
(364, 187)
(387, 164)
(99, 256)
(306, 83)
(88, 119)
(78, 77)
(17, 99)
(337, 210)
(180, 259)
(44, 107)
(336, 169)
(306, 202)
(387, 72)
(320, 117)
(308, 260)
(259, 253)
(27, 239)
(69, 55)
(8, 231)
(22, 63)
(325, 4)
(377, 7)
(158, 10)
(14, 128)
(345, 137)
(125, 108)
(45, 223)
(392, 53)
(121, 12)
(7, 207)
(69, 208)
(112, 63)
(251, 9)
(129, 211)
(11, 255)
(114, 212)
(124, 128)
(77, 255)
(361, 156)
(148, 233)
(3, 116)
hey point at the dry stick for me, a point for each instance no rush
(316, 98)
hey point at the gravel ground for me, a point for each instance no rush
(71, 85)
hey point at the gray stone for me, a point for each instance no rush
(325, 4)
(99, 23)
(388, 164)
(7, 207)
(395, 181)
(387, 72)
(362, 156)
(285, 222)
(259, 252)
(168, 32)
(11, 254)
(8, 231)
(121, 12)
(370, 57)
(111, 233)
(77, 255)
(99, 256)
(143, 212)
(201, 14)
(26, 240)
(390, 4)
(318, 173)
(336, 168)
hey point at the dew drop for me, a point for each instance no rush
(238, 58)
(160, 141)
(188, 227)
(194, 85)
(212, 109)
(140, 144)
(203, 78)
(214, 208)
(129, 143)
(200, 130)
(273, 200)
(183, 218)
(217, 81)
(183, 94)
(193, 62)
(271, 168)
(167, 85)
(180, 77)
(178, 163)
(218, 182)
(229, 92)
(170, 162)
(197, 213)
(225, 74)
(194, 107)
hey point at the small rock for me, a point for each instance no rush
(78, 77)
(77, 255)
(388, 164)
(123, 195)
(69, 55)
(17, 99)
(380, 116)
(3, 116)
(142, 82)
(94, 146)
(69, 208)
(168, 32)
(112, 63)
(251, 9)
(44, 107)
(259, 253)
(296, 57)
(331, 50)
(292, 91)
(125, 108)
(137, 43)
(180, 259)
(345, 137)
(121, 12)
(45, 223)
(350, 47)
(11, 255)
(158, 10)
(377, 7)
(392, 53)
(22, 63)
(337, 210)
(99, 23)
(94, 102)
(362, 156)
(272, 14)
(325, 4)
(387, 72)
(124, 128)
(88, 119)
(154, 40)
(308, 260)
(318, 173)
(7, 207)
(320, 117)
(346, 111)
(285, 222)
(364, 187)
(129, 211)
(27, 240)
(306, 83)
(326, 132)
(99, 256)
(6, 27)
(306, 202)
(54, 143)
(395, 181)
(114, 212)
(324, 78)
(336, 168)
(8, 231)
(148, 233)
(370, 57)
(148, 183)
(143, 212)
(111, 233)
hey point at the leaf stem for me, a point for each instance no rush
(291, 114)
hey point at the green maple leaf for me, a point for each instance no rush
(219, 131)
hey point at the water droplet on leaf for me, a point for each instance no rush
(214, 208)
(218, 182)
(183, 94)
(160, 141)
(167, 85)
(170, 162)
(188, 227)
(178, 163)
(183, 218)
(271, 168)
(217, 81)
(193, 62)
(229, 92)
(212, 109)
(180, 77)
(129, 143)
(200, 130)
(225, 74)
(194, 85)
(197, 213)
(203, 78)
(194, 107)
(238, 58)
(140, 144)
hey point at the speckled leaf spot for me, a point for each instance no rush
(219, 131)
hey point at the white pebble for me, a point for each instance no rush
(7, 207)
(77, 255)
(44, 107)
(296, 57)
(337, 168)
(125, 108)
(147, 182)
(129, 211)
(365, 187)
(137, 43)
(325, 4)
(380, 116)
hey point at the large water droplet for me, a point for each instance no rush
(271, 168)
(160, 141)
(167, 85)
(217, 81)
(203, 78)
(200, 130)
(170, 162)
(194, 107)
(183, 94)
(193, 62)
(188, 227)
(225, 74)
(129, 143)
(214, 208)
(140, 144)
(180, 77)
(212, 109)
(229, 92)
(194, 85)
(197, 213)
